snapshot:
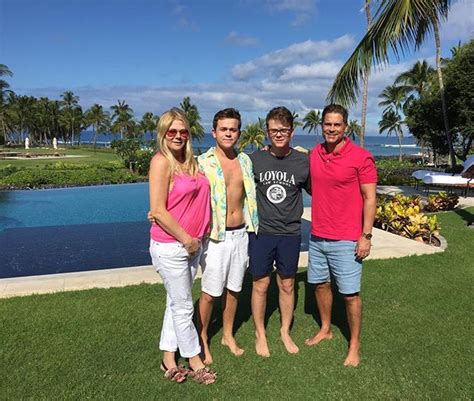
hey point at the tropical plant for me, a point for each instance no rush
(424, 116)
(5, 125)
(253, 135)
(312, 121)
(354, 129)
(122, 119)
(296, 122)
(4, 85)
(441, 201)
(148, 123)
(99, 119)
(397, 25)
(71, 114)
(194, 118)
(391, 123)
(403, 215)
(127, 149)
(393, 98)
(416, 80)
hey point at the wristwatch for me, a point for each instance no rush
(367, 236)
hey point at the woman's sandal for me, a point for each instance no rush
(177, 374)
(204, 375)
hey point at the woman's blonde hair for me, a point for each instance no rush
(189, 166)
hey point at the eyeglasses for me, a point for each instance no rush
(171, 133)
(281, 131)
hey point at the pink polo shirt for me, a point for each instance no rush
(337, 203)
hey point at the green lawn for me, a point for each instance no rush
(89, 156)
(102, 344)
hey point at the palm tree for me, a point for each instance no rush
(397, 25)
(312, 121)
(354, 130)
(393, 97)
(148, 123)
(69, 103)
(296, 122)
(122, 118)
(392, 123)
(4, 92)
(4, 85)
(253, 135)
(98, 119)
(416, 80)
(192, 114)
(365, 78)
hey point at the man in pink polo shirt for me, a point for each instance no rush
(344, 180)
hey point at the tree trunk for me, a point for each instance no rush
(452, 155)
(94, 139)
(399, 139)
(365, 90)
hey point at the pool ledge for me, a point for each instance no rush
(384, 246)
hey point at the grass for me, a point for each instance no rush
(102, 344)
(89, 156)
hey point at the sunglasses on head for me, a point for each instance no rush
(171, 133)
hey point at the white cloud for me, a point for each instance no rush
(307, 51)
(236, 39)
(323, 69)
(181, 13)
(292, 5)
(460, 23)
(298, 86)
(303, 9)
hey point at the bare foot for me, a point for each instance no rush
(353, 357)
(289, 344)
(318, 337)
(261, 346)
(207, 357)
(232, 344)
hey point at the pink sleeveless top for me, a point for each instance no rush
(189, 203)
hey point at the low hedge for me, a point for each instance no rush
(394, 172)
(62, 175)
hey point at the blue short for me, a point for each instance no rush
(265, 249)
(337, 259)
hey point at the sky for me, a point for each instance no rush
(248, 54)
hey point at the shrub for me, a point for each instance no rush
(441, 201)
(394, 172)
(7, 170)
(142, 161)
(36, 178)
(403, 215)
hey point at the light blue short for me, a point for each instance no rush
(331, 258)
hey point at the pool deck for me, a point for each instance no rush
(384, 246)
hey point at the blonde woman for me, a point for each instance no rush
(180, 209)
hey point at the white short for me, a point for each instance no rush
(223, 263)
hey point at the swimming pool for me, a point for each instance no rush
(75, 229)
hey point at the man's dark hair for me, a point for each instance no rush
(336, 108)
(281, 114)
(226, 113)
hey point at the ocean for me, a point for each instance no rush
(378, 145)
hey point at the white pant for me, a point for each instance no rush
(223, 263)
(177, 270)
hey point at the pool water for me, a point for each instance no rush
(76, 229)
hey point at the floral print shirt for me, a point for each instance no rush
(210, 165)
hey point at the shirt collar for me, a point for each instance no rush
(347, 145)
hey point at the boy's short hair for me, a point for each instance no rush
(226, 113)
(281, 114)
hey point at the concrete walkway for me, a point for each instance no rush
(384, 246)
